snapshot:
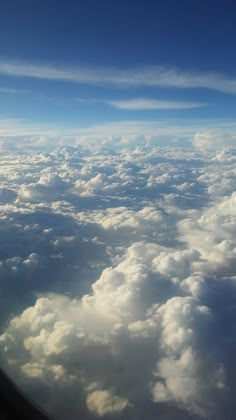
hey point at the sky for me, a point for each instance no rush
(117, 207)
(79, 65)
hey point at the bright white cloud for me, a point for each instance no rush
(126, 262)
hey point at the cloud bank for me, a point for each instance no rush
(118, 290)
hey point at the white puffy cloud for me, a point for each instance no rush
(103, 402)
(126, 262)
(214, 139)
(47, 188)
(94, 338)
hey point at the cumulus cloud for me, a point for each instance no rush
(104, 402)
(214, 139)
(124, 263)
(94, 339)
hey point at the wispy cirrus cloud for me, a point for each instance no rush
(12, 91)
(148, 76)
(142, 104)
(13, 127)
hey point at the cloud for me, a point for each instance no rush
(141, 104)
(48, 187)
(13, 91)
(118, 290)
(21, 135)
(214, 139)
(104, 402)
(93, 340)
(147, 76)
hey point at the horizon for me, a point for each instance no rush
(86, 65)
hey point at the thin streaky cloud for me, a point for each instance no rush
(12, 127)
(142, 104)
(145, 76)
(12, 91)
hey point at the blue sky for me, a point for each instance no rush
(81, 64)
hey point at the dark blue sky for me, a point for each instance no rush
(194, 34)
(118, 40)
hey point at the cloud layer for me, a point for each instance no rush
(118, 290)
